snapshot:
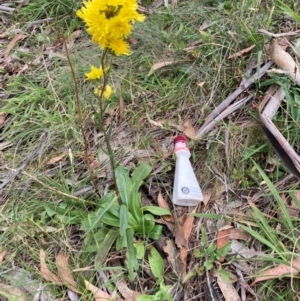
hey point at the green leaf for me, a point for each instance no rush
(156, 264)
(156, 210)
(123, 219)
(111, 220)
(208, 264)
(223, 251)
(106, 199)
(211, 248)
(189, 275)
(114, 208)
(124, 184)
(262, 239)
(145, 225)
(156, 231)
(93, 220)
(140, 249)
(163, 292)
(121, 242)
(207, 215)
(93, 240)
(197, 253)
(203, 236)
(105, 246)
(138, 176)
(134, 206)
(145, 298)
(227, 276)
(69, 216)
(287, 10)
(286, 220)
(131, 262)
(49, 211)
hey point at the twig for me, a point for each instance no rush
(225, 113)
(219, 109)
(277, 140)
(7, 8)
(32, 155)
(276, 35)
(41, 21)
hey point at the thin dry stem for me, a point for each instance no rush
(87, 151)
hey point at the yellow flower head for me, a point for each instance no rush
(109, 22)
(95, 73)
(106, 93)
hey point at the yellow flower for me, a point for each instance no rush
(119, 47)
(109, 22)
(95, 73)
(106, 93)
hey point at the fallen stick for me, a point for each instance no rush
(220, 108)
(223, 115)
(277, 140)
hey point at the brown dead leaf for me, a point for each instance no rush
(12, 293)
(241, 52)
(46, 273)
(223, 236)
(163, 204)
(183, 256)
(188, 225)
(189, 130)
(64, 272)
(2, 118)
(201, 85)
(74, 35)
(126, 292)
(180, 240)
(238, 233)
(56, 159)
(284, 61)
(12, 43)
(227, 289)
(206, 197)
(239, 248)
(159, 65)
(2, 255)
(279, 271)
(170, 250)
(99, 295)
(222, 239)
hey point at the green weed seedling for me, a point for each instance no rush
(117, 219)
(208, 255)
(157, 268)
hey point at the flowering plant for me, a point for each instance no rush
(109, 22)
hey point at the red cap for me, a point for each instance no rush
(180, 139)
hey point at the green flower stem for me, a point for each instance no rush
(99, 120)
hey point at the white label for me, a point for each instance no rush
(188, 190)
